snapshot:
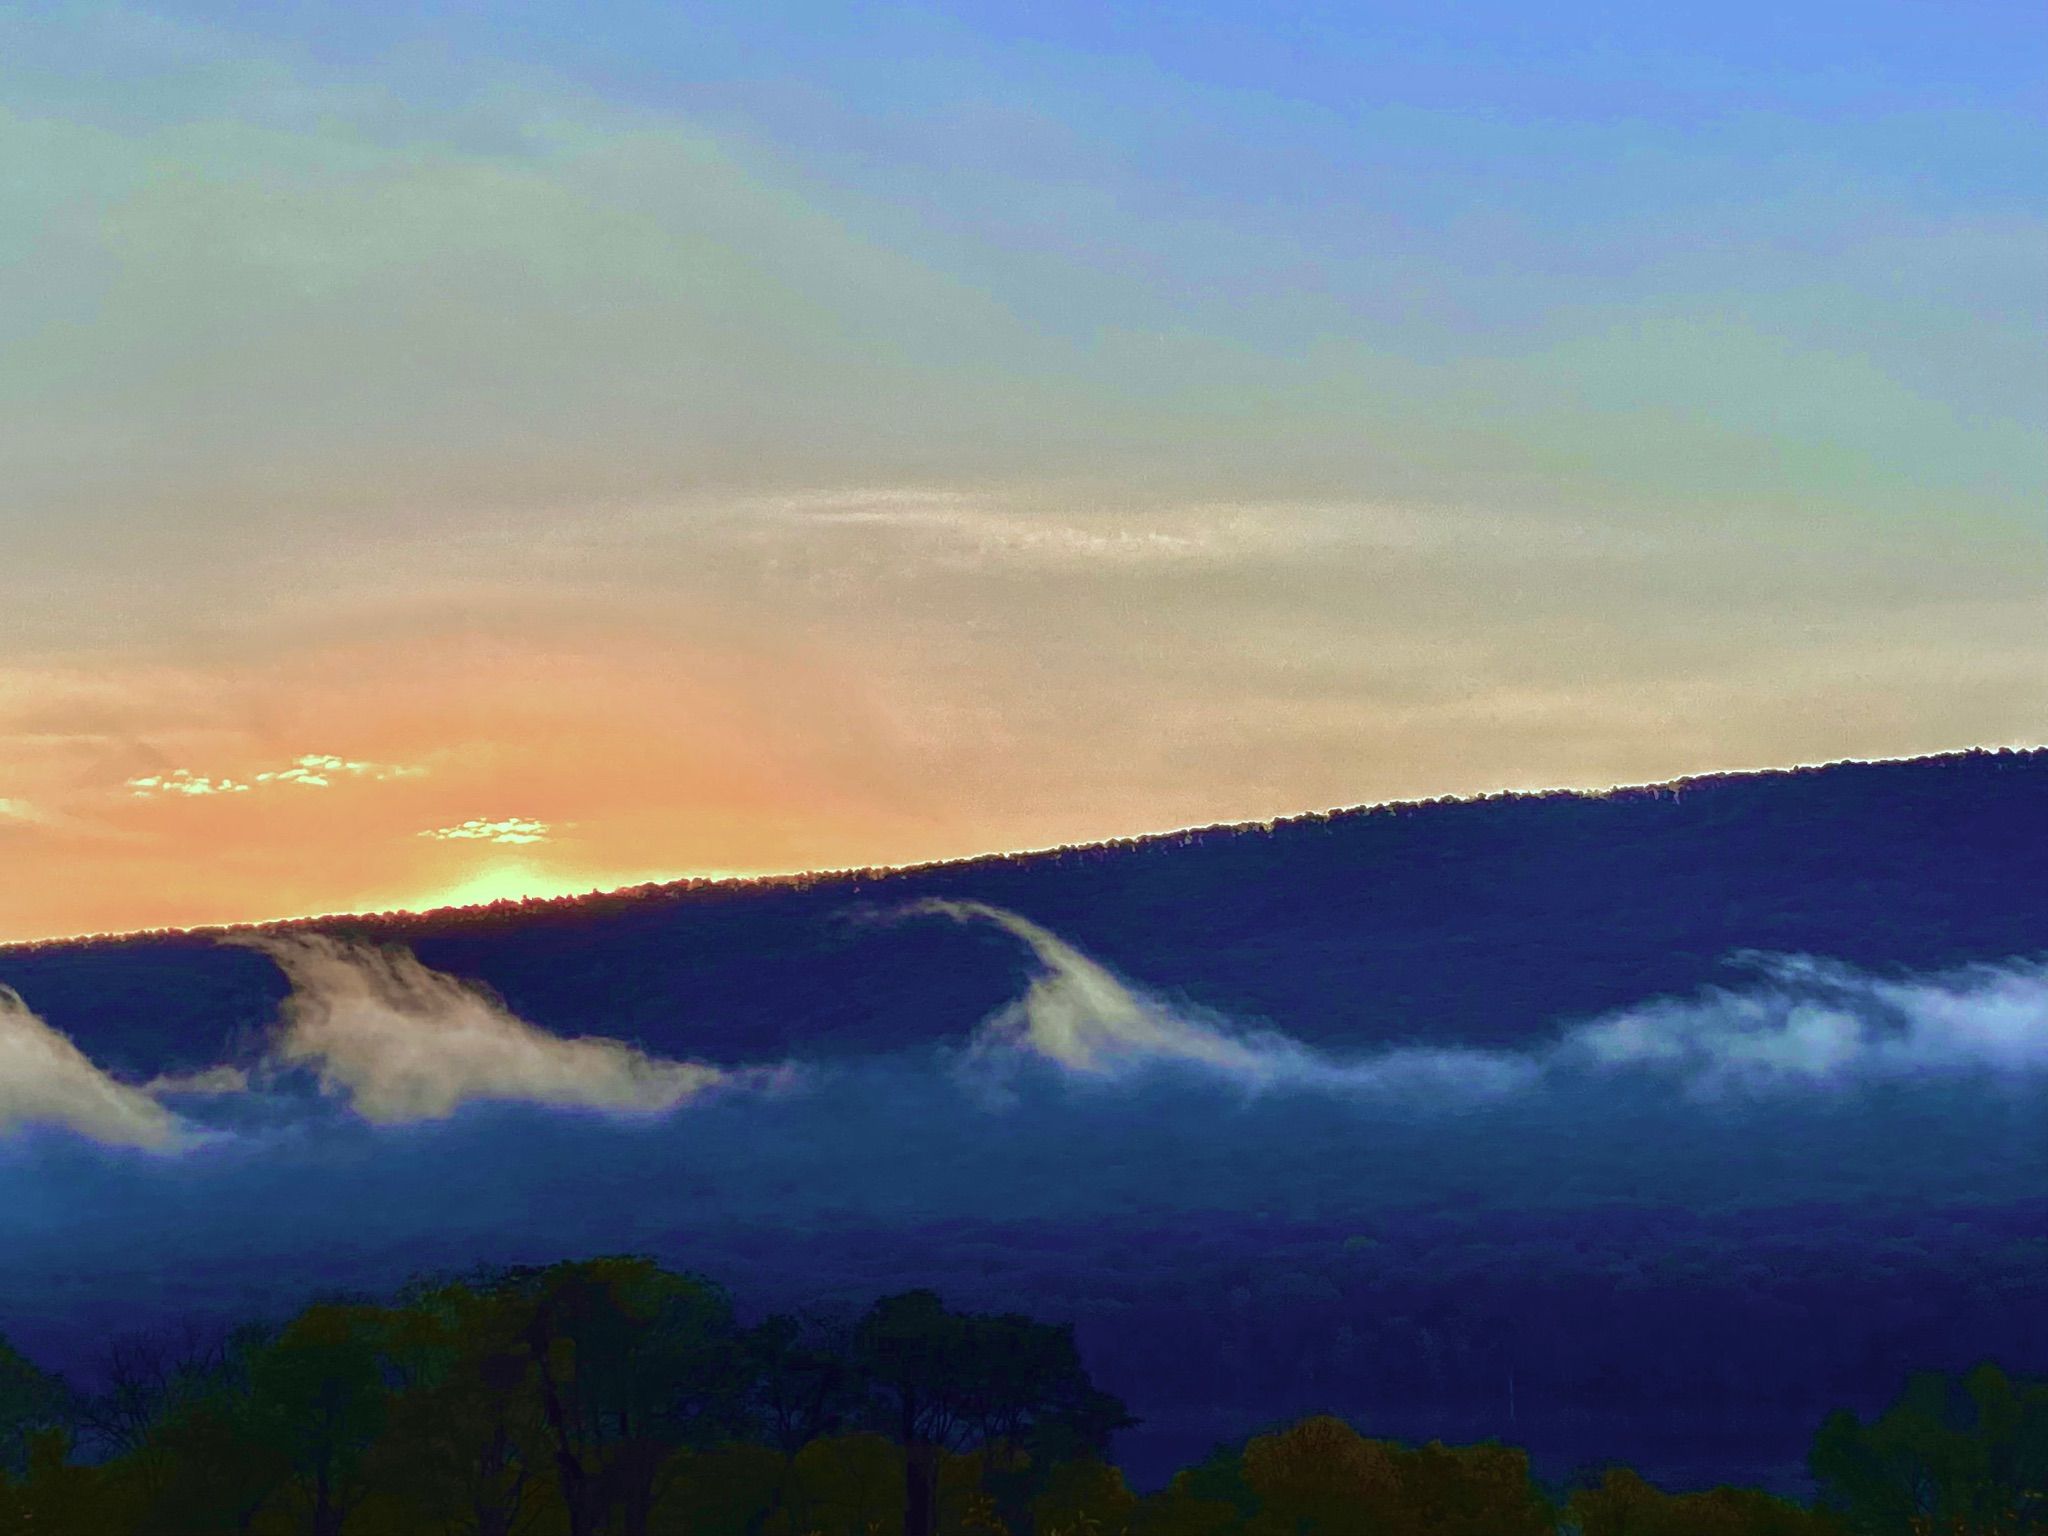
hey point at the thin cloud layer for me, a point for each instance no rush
(1811, 1024)
(401, 1042)
(45, 1080)
(1815, 1023)
(405, 1043)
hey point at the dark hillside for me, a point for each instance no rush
(1473, 921)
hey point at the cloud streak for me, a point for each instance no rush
(404, 1043)
(45, 1080)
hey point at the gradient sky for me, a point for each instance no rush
(455, 451)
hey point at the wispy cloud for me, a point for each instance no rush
(207, 1082)
(404, 1043)
(46, 1080)
(951, 528)
(315, 770)
(511, 829)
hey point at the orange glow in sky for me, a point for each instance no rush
(434, 472)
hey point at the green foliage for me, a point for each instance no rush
(732, 1490)
(1322, 1478)
(1083, 1498)
(57, 1497)
(615, 1398)
(628, 1362)
(30, 1402)
(1949, 1457)
(466, 1437)
(805, 1384)
(845, 1485)
(1625, 1505)
(318, 1403)
(1008, 1388)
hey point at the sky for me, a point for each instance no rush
(461, 451)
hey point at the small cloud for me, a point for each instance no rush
(512, 829)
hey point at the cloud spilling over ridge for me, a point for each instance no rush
(406, 1043)
(1078, 1015)
(1817, 1022)
(46, 1080)
(1808, 1023)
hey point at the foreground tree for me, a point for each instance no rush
(1625, 1505)
(1002, 1386)
(1322, 1478)
(319, 1400)
(212, 1461)
(804, 1383)
(57, 1496)
(1947, 1458)
(466, 1440)
(631, 1364)
(31, 1402)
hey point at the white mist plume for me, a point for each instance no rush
(1816, 1022)
(46, 1080)
(407, 1043)
(1078, 1015)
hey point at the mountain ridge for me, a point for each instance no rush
(1476, 920)
(655, 889)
